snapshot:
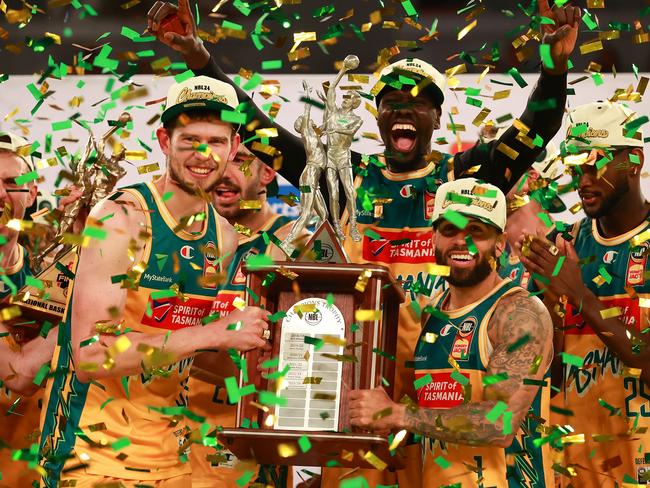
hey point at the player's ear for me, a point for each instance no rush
(636, 162)
(500, 246)
(267, 174)
(164, 139)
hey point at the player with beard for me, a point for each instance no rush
(245, 178)
(408, 172)
(18, 363)
(602, 282)
(478, 431)
(136, 313)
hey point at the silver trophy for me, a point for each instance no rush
(339, 125)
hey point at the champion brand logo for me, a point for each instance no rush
(609, 257)
(187, 252)
(406, 191)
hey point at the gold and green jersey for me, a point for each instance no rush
(124, 427)
(602, 398)
(453, 368)
(394, 212)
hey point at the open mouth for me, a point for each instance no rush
(200, 171)
(226, 195)
(461, 258)
(403, 136)
(589, 198)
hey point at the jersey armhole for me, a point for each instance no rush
(144, 208)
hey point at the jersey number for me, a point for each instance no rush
(638, 390)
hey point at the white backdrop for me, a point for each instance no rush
(16, 102)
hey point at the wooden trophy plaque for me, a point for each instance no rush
(338, 334)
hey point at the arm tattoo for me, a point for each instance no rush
(518, 319)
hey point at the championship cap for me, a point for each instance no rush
(416, 70)
(602, 125)
(471, 198)
(199, 93)
(18, 145)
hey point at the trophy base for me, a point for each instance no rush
(264, 447)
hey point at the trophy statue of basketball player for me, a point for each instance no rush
(95, 177)
(310, 196)
(340, 124)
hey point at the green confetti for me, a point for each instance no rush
(26, 178)
(95, 233)
(232, 389)
(358, 482)
(277, 316)
(271, 363)
(514, 72)
(245, 478)
(167, 196)
(493, 379)
(270, 398)
(519, 343)
(507, 423)
(185, 75)
(423, 381)
(45, 329)
(442, 462)
(459, 377)
(41, 374)
(157, 295)
(272, 64)
(572, 360)
(35, 282)
(496, 412)
(304, 443)
(558, 266)
(121, 443)
(109, 400)
(371, 234)
(471, 247)
(317, 343)
(258, 261)
(589, 20)
(455, 218)
(545, 54)
(233, 117)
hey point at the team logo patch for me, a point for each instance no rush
(636, 265)
(187, 252)
(210, 263)
(160, 309)
(429, 201)
(460, 350)
(442, 392)
(173, 313)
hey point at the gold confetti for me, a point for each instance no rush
(430, 337)
(501, 94)
(438, 269)
(372, 458)
(574, 209)
(250, 204)
(243, 230)
(507, 150)
(644, 302)
(286, 450)
(574, 439)
(478, 120)
(399, 437)
(312, 380)
(148, 168)
(591, 46)
(362, 280)
(139, 155)
(301, 53)
(465, 30)
(287, 273)
(267, 132)
(304, 308)
(612, 312)
(632, 372)
(239, 303)
(639, 239)
(367, 315)
(10, 313)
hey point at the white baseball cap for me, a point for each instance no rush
(199, 93)
(471, 198)
(602, 125)
(550, 165)
(18, 145)
(409, 67)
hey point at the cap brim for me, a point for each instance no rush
(432, 90)
(471, 216)
(192, 105)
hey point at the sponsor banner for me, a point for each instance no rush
(173, 313)
(442, 392)
(404, 246)
(223, 304)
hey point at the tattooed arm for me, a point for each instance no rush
(516, 317)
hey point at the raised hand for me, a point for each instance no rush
(187, 42)
(562, 36)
